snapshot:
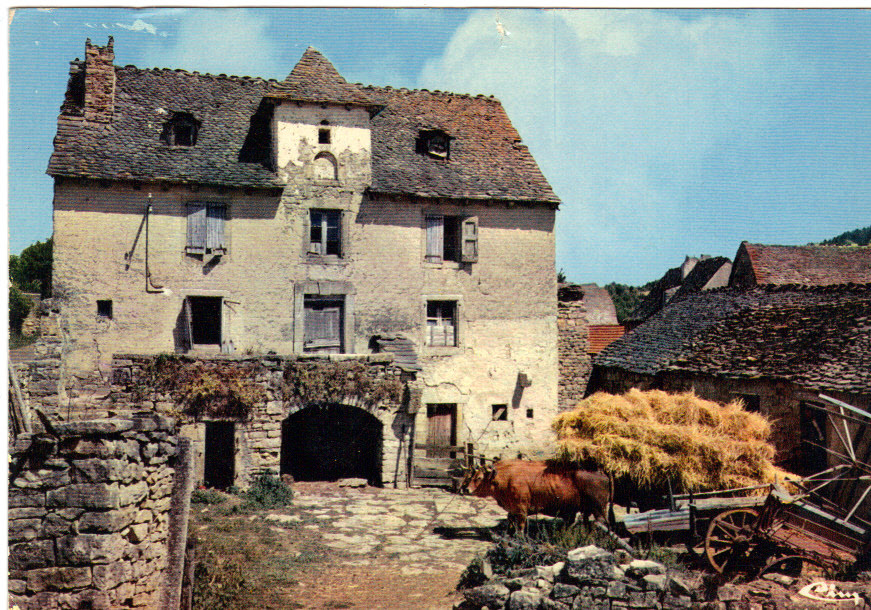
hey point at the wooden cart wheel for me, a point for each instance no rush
(730, 538)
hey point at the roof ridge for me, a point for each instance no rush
(198, 74)
(436, 92)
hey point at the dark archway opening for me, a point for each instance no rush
(331, 442)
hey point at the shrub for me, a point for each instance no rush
(267, 492)
(207, 496)
(19, 307)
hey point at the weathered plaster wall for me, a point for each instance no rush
(89, 515)
(507, 300)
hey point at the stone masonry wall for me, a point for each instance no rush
(258, 439)
(89, 514)
(575, 363)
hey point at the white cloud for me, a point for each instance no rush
(620, 109)
(219, 41)
(139, 26)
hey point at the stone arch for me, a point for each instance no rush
(326, 167)
(331, 441)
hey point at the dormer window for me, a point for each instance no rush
(434, 142)
(324, 133)
(180, 130)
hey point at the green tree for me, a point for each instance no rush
(31, 270)
(856, 237)
(19, 307)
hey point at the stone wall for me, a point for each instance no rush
(89, 514)
(591, 579)
(258, 436)
(575, 363)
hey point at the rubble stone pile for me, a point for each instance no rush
(590, 579)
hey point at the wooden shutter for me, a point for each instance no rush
(215, 229)
(323, 327)
(187, 338)
(470, 240)
(435, 238)
(196, 243)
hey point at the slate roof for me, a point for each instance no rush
(404, 354)
(600, 308)
(657, 296)
(818, 337)
(809, 265)
(486, 159)
(315, 79)
(701, 275)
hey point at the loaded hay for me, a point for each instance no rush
(652, 437)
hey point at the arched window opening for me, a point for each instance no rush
(325, 167)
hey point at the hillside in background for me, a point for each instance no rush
(856, 237)
(626, 298)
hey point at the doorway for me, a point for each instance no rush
(441, 429)
(219, 469)
(331, 442)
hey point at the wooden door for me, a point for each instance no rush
(220, 459)
(441, 429)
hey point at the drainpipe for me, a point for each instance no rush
(149, 287)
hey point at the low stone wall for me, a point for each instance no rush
(590, 579)
(89, 511)
(258, 436)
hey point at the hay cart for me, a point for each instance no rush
(827, 523)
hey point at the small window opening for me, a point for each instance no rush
(325, 236)
(104, 309)
(441, 323)
(500, 412)
(434, 142)
(529, 414)
(324, 133)
(751, 402)
(180, 130)
(205, 320)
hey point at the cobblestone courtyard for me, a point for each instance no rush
(387, 548)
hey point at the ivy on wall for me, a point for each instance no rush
(317, 381)
(206, 388)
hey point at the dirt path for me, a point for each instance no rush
(375, 548)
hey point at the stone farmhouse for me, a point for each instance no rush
(228, 218)
(798, 327)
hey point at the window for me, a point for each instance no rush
(325, 234)
(180, 130)
(441, 323)
(434, 142)
(206, 228)
(451, 238)
(325, 167)
(529, 414)
(324, 319)
(500, 412)
(751, 402)
(104, 309)
(203, 321)
(324, 133)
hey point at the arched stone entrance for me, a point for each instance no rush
(330, 442)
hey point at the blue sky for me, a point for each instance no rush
(665, 133)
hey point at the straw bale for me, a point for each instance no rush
(653, 437)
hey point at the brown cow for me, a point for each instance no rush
(528, 488)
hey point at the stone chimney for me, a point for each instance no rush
(99, 82)
(688, 264)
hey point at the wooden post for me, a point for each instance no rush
(470, 456)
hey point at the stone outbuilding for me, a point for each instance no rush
(207, 215)
(774, 347)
